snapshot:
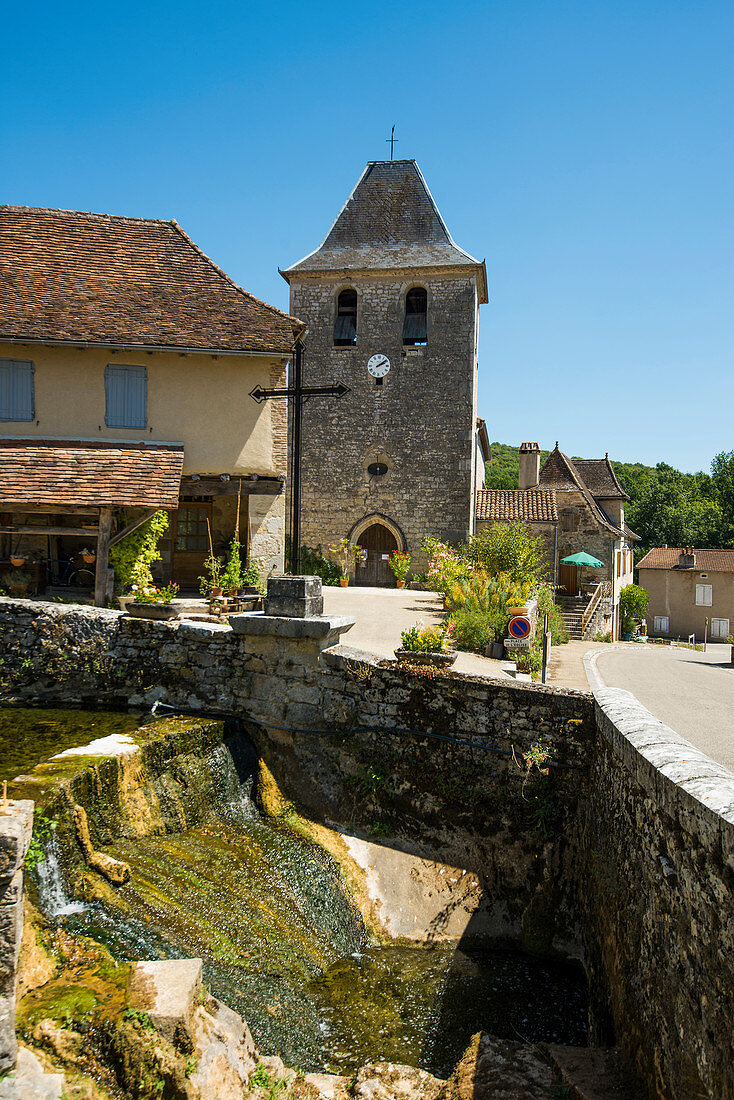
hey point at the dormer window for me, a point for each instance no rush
(345, 326)
(415, 327)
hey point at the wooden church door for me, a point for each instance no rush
(380, 543)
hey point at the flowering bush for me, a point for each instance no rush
(400, 565)
(148, 593)
(445, 568)
(345, 553)
(430, 639)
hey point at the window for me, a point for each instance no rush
(345, 326)
(704, 595)
(619, 563)
(126, 394)
(661, 624)
(719, 628)
(191, 527)
(16, 390)
(415, 325)
(568, 520)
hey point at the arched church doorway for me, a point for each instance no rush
(380, 543)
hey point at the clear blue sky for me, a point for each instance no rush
(584, 148)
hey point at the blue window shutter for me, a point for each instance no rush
(16, 390)
(126, 397)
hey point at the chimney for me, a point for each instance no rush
(529, 473)
(687, 558)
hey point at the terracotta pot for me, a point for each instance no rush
(152, 610)
(215, 591)
(434, 658)
(400, 584)
(89, 558)
(18, 589)
(344, 581)
(520, 609)
(16, 561)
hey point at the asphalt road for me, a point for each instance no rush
(691, 692)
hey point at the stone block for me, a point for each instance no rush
(326, 629)
(167, 991)
(15, 836)
(30, 1081)
(294, 597)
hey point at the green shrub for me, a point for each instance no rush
(133, 556)
(509, 548)
(543, 593)
(314, 564)
(473, 629)
(633, 605)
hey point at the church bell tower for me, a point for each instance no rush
(392, 308)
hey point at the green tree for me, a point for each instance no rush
(133, 556)
(676, 509)
(509, 548)
(633, 605)
(722, 479)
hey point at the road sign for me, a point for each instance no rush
(517, 643)
(520, 627)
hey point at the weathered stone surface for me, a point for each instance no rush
(16, 826)
(255, 622)
(167, 991)
(29, 1081)
(225, 1053)
(593, 1073)
(114, 870)
(15, 836)
(499, 1069)
(390, 1081)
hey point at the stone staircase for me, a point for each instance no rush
(572, 609)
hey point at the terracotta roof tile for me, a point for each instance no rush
(512, 505)
(707, 561)
(134, 282)
(43, 472)
(560, 472)
(599, 477)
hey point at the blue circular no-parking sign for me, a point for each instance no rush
(519, 627)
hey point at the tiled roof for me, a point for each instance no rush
(559, 472)
(389, 222)
(599, 476)
(707, 561)
(36, 471)
(132, 282)
(511, 505)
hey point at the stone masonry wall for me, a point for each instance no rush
(420, 422)
(16, 822)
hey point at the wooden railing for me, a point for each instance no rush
(591, 608)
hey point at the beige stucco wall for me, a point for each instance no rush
(201, 400)
(672, 592)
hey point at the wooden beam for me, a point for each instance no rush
(132, 526)
(103, 556)
(213, 487)
(52, 509)
(83, 532)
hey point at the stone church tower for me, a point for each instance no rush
(392, 308)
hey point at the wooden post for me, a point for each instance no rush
(103, 556)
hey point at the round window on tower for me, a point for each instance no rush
(377, 469)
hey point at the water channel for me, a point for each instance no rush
(282, 944)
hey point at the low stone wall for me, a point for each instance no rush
(656, 887)
(16, 823)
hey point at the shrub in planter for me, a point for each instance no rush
(474, 629)
(17, 582)
(400, 565)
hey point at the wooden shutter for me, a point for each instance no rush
(16, 390)
(126, 390)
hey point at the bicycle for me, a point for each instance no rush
(63, 573)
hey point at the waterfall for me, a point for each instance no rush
(51, 888)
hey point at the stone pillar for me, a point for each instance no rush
(16, 824)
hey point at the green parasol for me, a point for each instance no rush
(582, 558)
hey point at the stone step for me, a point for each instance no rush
(594, 1073)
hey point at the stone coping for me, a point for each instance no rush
(672, 770)
(322, 626)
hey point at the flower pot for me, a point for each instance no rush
(17, 561)
(152, 610)
(520, 609)
(400, 584)
(433, 658)
(18, 589)
(344, 581)
(89, 559)
(215, 591)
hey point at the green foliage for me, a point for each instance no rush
(474, 630)
(43, 828)
(251, 576)
(544, 594)
(139, 1017)
(314, 564)
(509, 548)
(347, 554)
(232, 575)
(426, 639)
(446, 566)
(529, 660)
(133, 556)
(501, 472)
(493, 594)
(212, 577)
(633, 604)
(273, 1088)
(400, 565)
(722, 478)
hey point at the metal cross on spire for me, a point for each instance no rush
(393, 141)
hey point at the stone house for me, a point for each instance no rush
(686, 587)
(392, 307)
(126, 362)
(575, 505)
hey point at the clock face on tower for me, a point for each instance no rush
(378, 365)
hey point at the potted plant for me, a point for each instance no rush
(88, 556)
(150, 602)
(211, 583)
(17, 560)
(426, 645)
(347, 554)
(400, 564)
(17, 583)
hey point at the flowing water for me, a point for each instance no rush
(29, 735)
(281, 943)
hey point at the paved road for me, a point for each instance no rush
(382, 613)
(691, 692)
